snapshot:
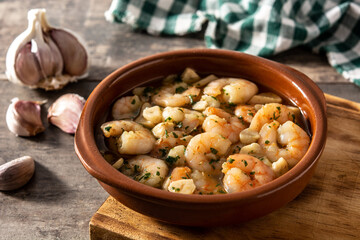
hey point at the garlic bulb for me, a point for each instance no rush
(46, 57)
(16, 173)
(23, 118)
(65, 112)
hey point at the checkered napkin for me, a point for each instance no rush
(258, 27)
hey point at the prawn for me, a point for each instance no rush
(287, 140)
(244, 172)
(149, 116)
(268, 113)
(126, 107)
(175, 95)
(232, 90)
(205, 152)
(164, 144)
(183, 119)
(145, 169)
(223, 123)
(245, 113)
(131, 137)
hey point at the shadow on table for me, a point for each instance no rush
(44, 186)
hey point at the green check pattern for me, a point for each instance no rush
(257, 27)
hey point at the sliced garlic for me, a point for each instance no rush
(189, 76)
(253, 149)
(280, 167)
(118, 164)
(46, 57)
(184, 186)
(65, 112)
(263, 98)
(248, 136)
(23, 118)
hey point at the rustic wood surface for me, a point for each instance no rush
(60, 199)
(329, 207)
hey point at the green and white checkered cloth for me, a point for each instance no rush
(258, 27)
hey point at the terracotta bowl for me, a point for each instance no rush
(200, 210)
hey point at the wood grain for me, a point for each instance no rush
(329, 207)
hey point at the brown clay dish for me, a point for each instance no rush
(201, 210)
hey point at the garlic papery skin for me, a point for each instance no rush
(46, 57)
(65, 112)
(16, 173)
(23, 118)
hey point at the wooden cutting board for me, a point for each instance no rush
(328, 208)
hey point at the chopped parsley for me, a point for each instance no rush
(136, 168)
(245, 162)
(163, 152)
(231, 160)
(145, 176)
(213, 161)
(166, 134)
(175, 135)
(222, 191)
(274, 116)
(133, 101)
(168, 119)
(180, 89)
(213, 150)
(171, 160)
(267, 142)
(250, 114)
(242, 120)
(252, 173)
(157, 173)
(108, 128)
(147, 91)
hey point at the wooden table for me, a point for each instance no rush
(61, 198)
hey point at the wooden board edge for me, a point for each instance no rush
(98, 227)
(343, 103)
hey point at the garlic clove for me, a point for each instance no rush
(65, 112)
(16, 173)
(23, 118)
(73, 53)
(27, 67)
(46, 57)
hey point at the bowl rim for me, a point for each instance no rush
(91, 158)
